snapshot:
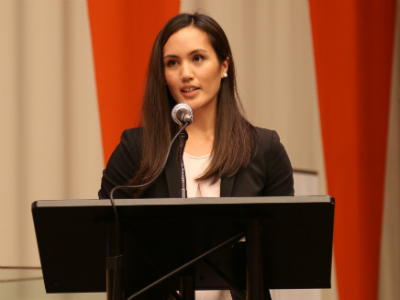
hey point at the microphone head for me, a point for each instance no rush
(182, 113)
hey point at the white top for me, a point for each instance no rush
(194, 168)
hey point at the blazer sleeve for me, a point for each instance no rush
(279, 170)
(122, 165)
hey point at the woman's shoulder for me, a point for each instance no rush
(132, 134)
(273, 157)
(129, 147)
(269, 144)
(131, 138)
(267, 137)
(123, 163)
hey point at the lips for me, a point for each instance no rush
(189, 91)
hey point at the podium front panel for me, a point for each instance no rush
(160, 235)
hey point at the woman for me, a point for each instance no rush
(225, 156)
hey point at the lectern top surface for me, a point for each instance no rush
(187, 201)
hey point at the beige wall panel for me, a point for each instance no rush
(50, 132)
(8, 119)
(389, 288)
(272, 46)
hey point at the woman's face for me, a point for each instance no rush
(192, 70)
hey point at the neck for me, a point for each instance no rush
(202, 125)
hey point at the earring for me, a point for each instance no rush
(225, 74)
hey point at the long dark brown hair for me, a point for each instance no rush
(235, 139)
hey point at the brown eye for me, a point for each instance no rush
(172, 63)
(198, 58)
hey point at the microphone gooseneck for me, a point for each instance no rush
(182, 113)
(183, 136)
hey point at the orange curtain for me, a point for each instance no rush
(123, 33)
(353, 48)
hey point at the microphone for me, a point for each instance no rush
(182, 113)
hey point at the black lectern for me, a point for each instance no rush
(288, 243)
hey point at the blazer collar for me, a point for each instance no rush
(172, 175)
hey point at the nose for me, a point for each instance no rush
(186, 72)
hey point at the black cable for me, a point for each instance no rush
(120, 187)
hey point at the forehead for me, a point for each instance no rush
(186, 40)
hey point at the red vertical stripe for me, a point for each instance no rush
(353, 46)
(123, 33)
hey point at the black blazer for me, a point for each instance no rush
(269, 173)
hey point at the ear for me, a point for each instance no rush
(224, 67)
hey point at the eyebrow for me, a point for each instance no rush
(192, 52)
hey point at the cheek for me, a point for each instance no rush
(213, 82)
(211, 78)
(171, 81)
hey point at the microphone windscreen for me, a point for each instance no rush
(182, 113)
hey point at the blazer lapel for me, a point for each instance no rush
(226, 186)
(172, 172)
